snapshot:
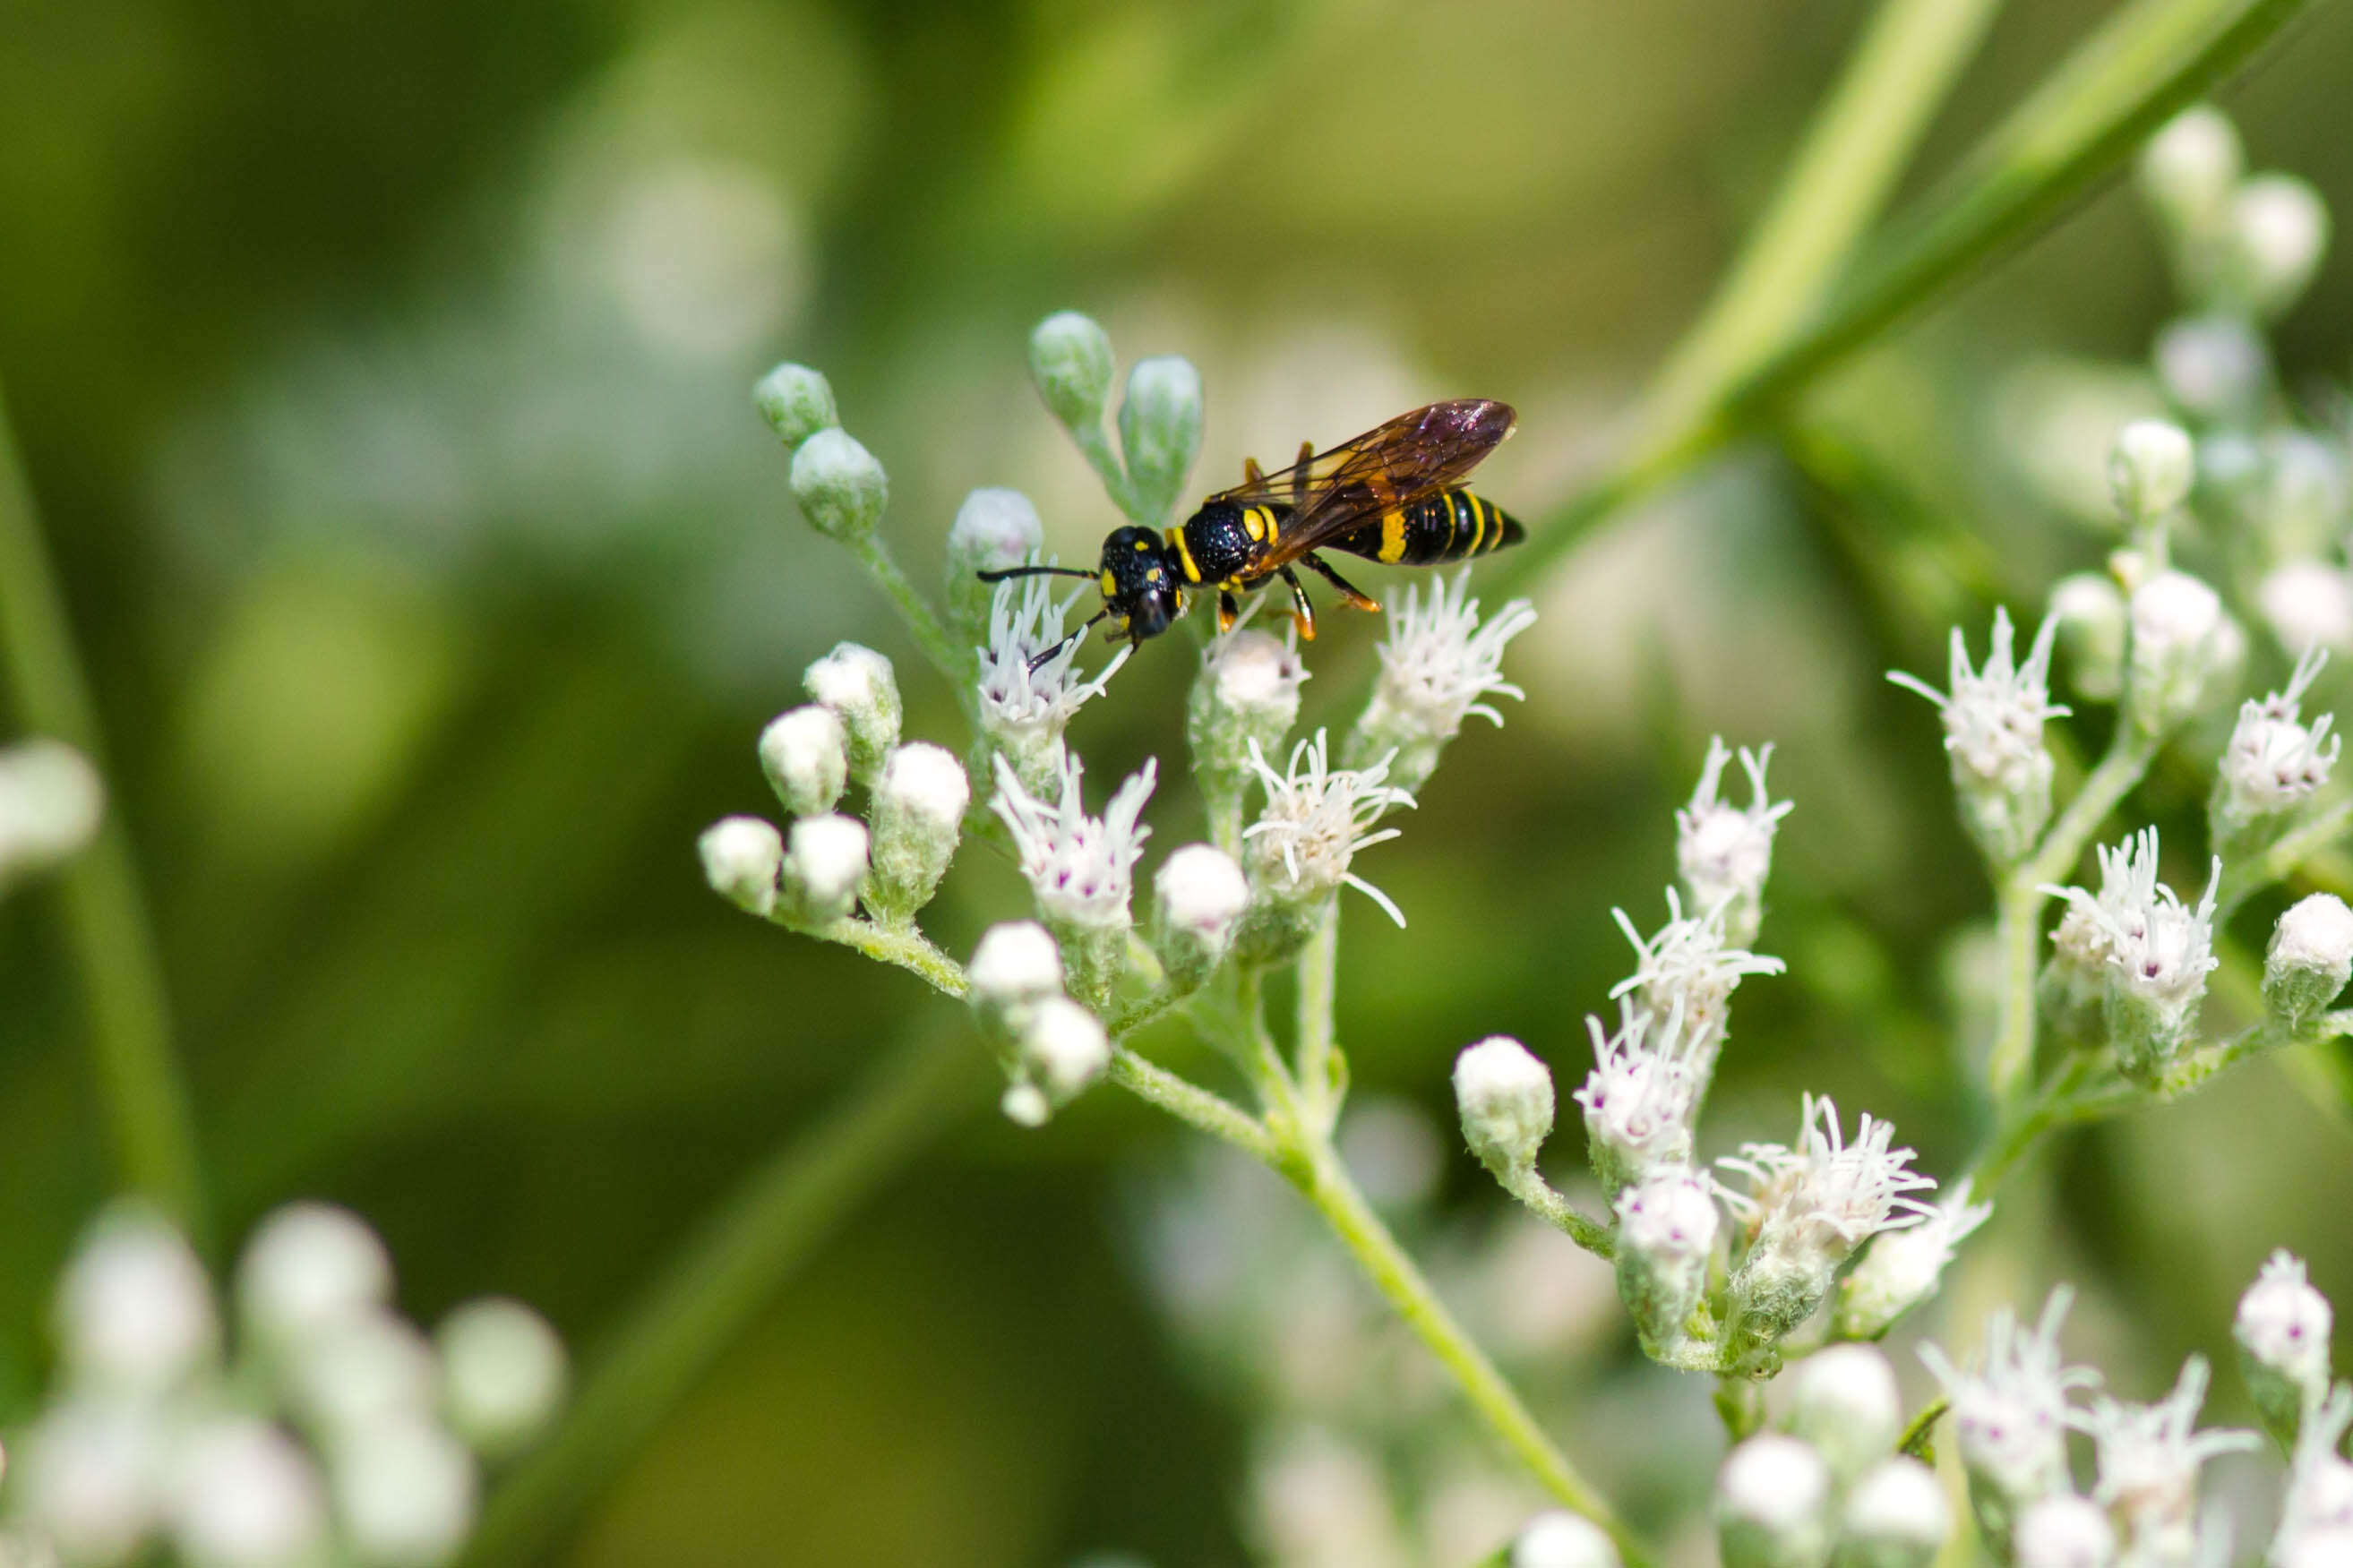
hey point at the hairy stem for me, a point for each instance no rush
(107, 927)
(957, 665)
(728, 1273)
(1190, 1103)
(1530, 1188)
(1322, 1075)
(901, 946)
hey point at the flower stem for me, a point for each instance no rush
(2242, 881)
(956, 664)
(105, 908)
(902, 946)
(1322, 1075)
(727, 1274)
(1190, 1103)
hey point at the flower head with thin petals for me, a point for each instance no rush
(1689, 970)
(1904, 1268)
(2149, 1459)
(1316, 819)
(1994, 715)
(1438, 662)
(1029, 707)
(2320, 1479)
(1081, 867)
(2148, 940)
(2274, 759)
(1828, 1195)
(1640, 1097)
(1723, 852)
(2011, 1412)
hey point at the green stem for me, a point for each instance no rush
(1190, 1103)
(901, 946)
(2242, 881)
(1095, 445)
(107, 926)
(956, 664)
(2151, 60)
(1540, 1196)
(1859, 143)
(1323, 1081)
(727, 1275)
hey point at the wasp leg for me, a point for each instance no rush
(1302, 612)
(1299, 480)
(1348, 591)
(1251, 473)
(1228, 610)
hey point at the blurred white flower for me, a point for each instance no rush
(2149, 1458)
(403, 1492)
(2309, 604)
(1993, 733)
(2274, 761)
(1904, 1268)
(134, 1311)
(51, 800)
(309, 1265)
(2010, 1414)
(1687, 972)
(503, 1374)
(245, 1495)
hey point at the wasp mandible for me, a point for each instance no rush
(1393, 495)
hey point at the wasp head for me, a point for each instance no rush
(1142, 588)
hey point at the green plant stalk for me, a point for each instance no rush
(1322, 1083)
(1857, 146)
(728, 1274)
(106, 923)
(2275, 864)
(2148, 60)
(958, 665)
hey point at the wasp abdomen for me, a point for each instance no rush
(1453, 525)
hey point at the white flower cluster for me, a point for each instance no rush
(1993, 731)
(1829, 1486)
(1030, 688)
(2148, 950)
(335, 1433)
(2274, 761)
(1079, 868)
(1438, 663)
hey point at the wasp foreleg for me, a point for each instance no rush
(1303, 611)
(1348, 591)
(1230, 610)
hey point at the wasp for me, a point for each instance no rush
(1393, 495)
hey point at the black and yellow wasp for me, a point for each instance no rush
(1393, 495)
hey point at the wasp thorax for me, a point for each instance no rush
(1141, 590)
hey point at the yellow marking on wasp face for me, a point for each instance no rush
(1184, 555)
(1110, 584)
(1255, 521)
(1392, 537)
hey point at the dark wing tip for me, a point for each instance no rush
(1480, 421)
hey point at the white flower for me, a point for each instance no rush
(50, 803)
(244, 1495)
(1200, 895)
(1771, 1496)
(1845, 1403)
(365, 1368)
(503, 1372)
(1904, 1268)
(90, 1475)
(1689, 970)
(860, 685)
(2149, 1459)
(1315, 822)
(2151, 467)
(822, 873)
(1827, 1196)
(1898, 1508)
(1437, 663)
(2274, 762)
(2092, 616)
(2191, 165)
(994, 530)
(1505, 1098)
(742, 857)
(1079, 867)
(2213, 366)
(1062, 1049)
(1667, 1226)
(2063, 1531)
(1026, 710)
(1562, 1540)
(918, 815)
(2310, 958)
(135, 1308)
(309, 1265)
(405, 1492)
(2179, 639)
(1641, 1094)
(1016, 964)
(805, 753)
(2010, 1414)
(2309, 604)
(1993, 733)
(2155, 950)
(2279, 228)
(2319, 1499)
(1723, 853)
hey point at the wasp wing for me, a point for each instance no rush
(1393, 464)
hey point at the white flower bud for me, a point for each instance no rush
(2215, 367)
(405, 1492)
(858, 684)
(135, 1308)
(825, 870)
(92, 1478)
(1071, 359)
(244, 1495)
(2309, 604)
(918, 805)
(2302, 505)
(840, 488)
(1025, 1105)
(1846, 1404)
(1724, 852)
(2310, 958)
(50, 803)
(1015, 965)
(1248, 691)
(2063, 1531)
(806, 755)
(309, 1265)
(1160, 433)
(2090, 610)
(1993, 734)
(1667, 1226)
(1772, 1504)
(503, 1374)
(993, 529)
(2279, 228)
(2282, 1328)
(1506, 1097)
(2191, 167)
(1562, 1540)
(796, 402)
(1896, 1517)
(2274, 761)
(742, 857)
(2151, 467)
(2330, 1547)
(1198, 895)
(1902, 1268)
(2177, 623)
(1061, 1049)
(372, 1366)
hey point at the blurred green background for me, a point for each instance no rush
(381, 375)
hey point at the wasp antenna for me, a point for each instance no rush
(1046, 658)
(1010, 572)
